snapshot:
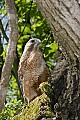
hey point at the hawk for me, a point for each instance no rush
(32, 70)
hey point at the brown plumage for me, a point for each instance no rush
(32, 69)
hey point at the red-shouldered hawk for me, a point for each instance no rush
(32, 69)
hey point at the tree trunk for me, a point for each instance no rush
(1, 57)
(11, 51)
(63, 17)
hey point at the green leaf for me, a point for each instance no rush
(27, 30)
(54, 47)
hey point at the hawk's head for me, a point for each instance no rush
(33, 44)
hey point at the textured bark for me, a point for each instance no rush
(11, 50)
(1, 57)
(63, 17)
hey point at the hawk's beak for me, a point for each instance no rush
(39, 42)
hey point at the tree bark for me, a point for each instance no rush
(1, 57)
(63, 17)
(11, 50)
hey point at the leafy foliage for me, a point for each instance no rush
(30, 24)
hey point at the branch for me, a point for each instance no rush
(11, 51)
(15, 73)
(3, 31)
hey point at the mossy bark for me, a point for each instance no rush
(38, 109)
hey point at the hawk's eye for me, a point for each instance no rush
(32, 41)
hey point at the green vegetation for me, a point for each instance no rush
(30, 24)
